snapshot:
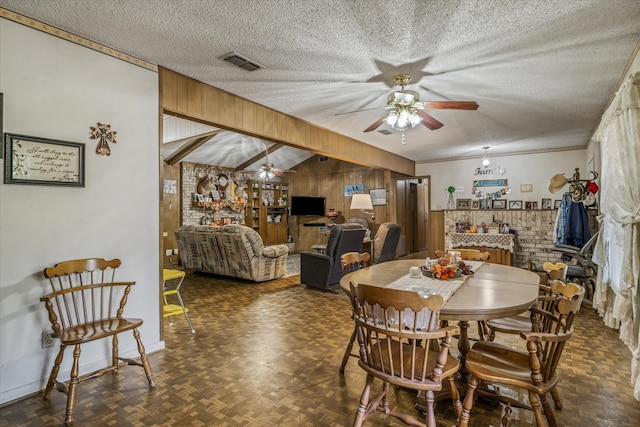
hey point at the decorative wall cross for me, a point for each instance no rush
(104, 133)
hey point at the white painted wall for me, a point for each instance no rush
(56, 89)
(536, 169)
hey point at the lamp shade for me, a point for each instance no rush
(361, 201)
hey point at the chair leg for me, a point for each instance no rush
(384, 407)
(54, 373)
(144, 359)
(463, 419)
(347, 352)
(548, 411)
(73, 386)
(114, 353)
(431, 416)
(483, 330)
(534, 398)
(455, 396)
(364, 403)
(556, 398)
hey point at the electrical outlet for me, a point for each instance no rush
(168, 252)
(47, 338)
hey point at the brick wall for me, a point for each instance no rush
(193, 215)
(533, 231)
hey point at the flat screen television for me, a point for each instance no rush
(307, 206)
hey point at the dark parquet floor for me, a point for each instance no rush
(267, 354)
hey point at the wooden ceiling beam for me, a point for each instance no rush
(190, 137)
(189, 147)
(258, 156)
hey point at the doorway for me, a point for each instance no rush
(413, 208)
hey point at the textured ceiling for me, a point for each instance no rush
(542, 71)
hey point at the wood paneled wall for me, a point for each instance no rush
(436, 232)
(328, 179)
(191, 99)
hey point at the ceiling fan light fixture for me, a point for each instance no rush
(402, 119)
(265, 174)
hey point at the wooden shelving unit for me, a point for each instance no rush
(268, 210)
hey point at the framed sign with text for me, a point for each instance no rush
(378, 196)
(33, 160)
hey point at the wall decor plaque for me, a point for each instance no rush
(378, 196)
(491, 183)
(33, 160)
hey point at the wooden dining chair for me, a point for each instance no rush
(534, 371)
(522, 323)
(516, 325)
(352, 261)
(85, 305)
(557, 271)
(473, 254)
(397, 331)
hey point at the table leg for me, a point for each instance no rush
(464, 347)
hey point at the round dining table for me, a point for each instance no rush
(492, 292)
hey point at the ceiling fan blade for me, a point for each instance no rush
(282, 172)
(451, 105)
(429, 121)
(375, 125)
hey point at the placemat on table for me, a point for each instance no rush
(426, 286)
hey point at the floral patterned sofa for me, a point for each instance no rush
(230, 250)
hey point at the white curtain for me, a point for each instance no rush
(617, 251)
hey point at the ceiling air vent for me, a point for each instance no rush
(384, 132)
(242, 62)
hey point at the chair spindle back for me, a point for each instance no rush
(84, 291)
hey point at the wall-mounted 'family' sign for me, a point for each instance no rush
(31, 160)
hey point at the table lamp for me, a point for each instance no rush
(364, 204)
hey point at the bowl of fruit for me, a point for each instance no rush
(441, 270)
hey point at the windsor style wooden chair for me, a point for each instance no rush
(398, 332)
(86, 304)
(534, 371)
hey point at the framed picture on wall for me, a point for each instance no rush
(546, 204)
(499, 204)
(463, 204)
(378, 196)
(556, 204)
(43, 161)
(475, 204)
(515, 204)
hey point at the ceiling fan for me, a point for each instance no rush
(268, 170)
(406, 108)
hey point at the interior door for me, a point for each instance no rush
(413, 196)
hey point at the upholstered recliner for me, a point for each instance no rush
(230, 250)
(358, 220)
(386, 242)
(322, 270)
